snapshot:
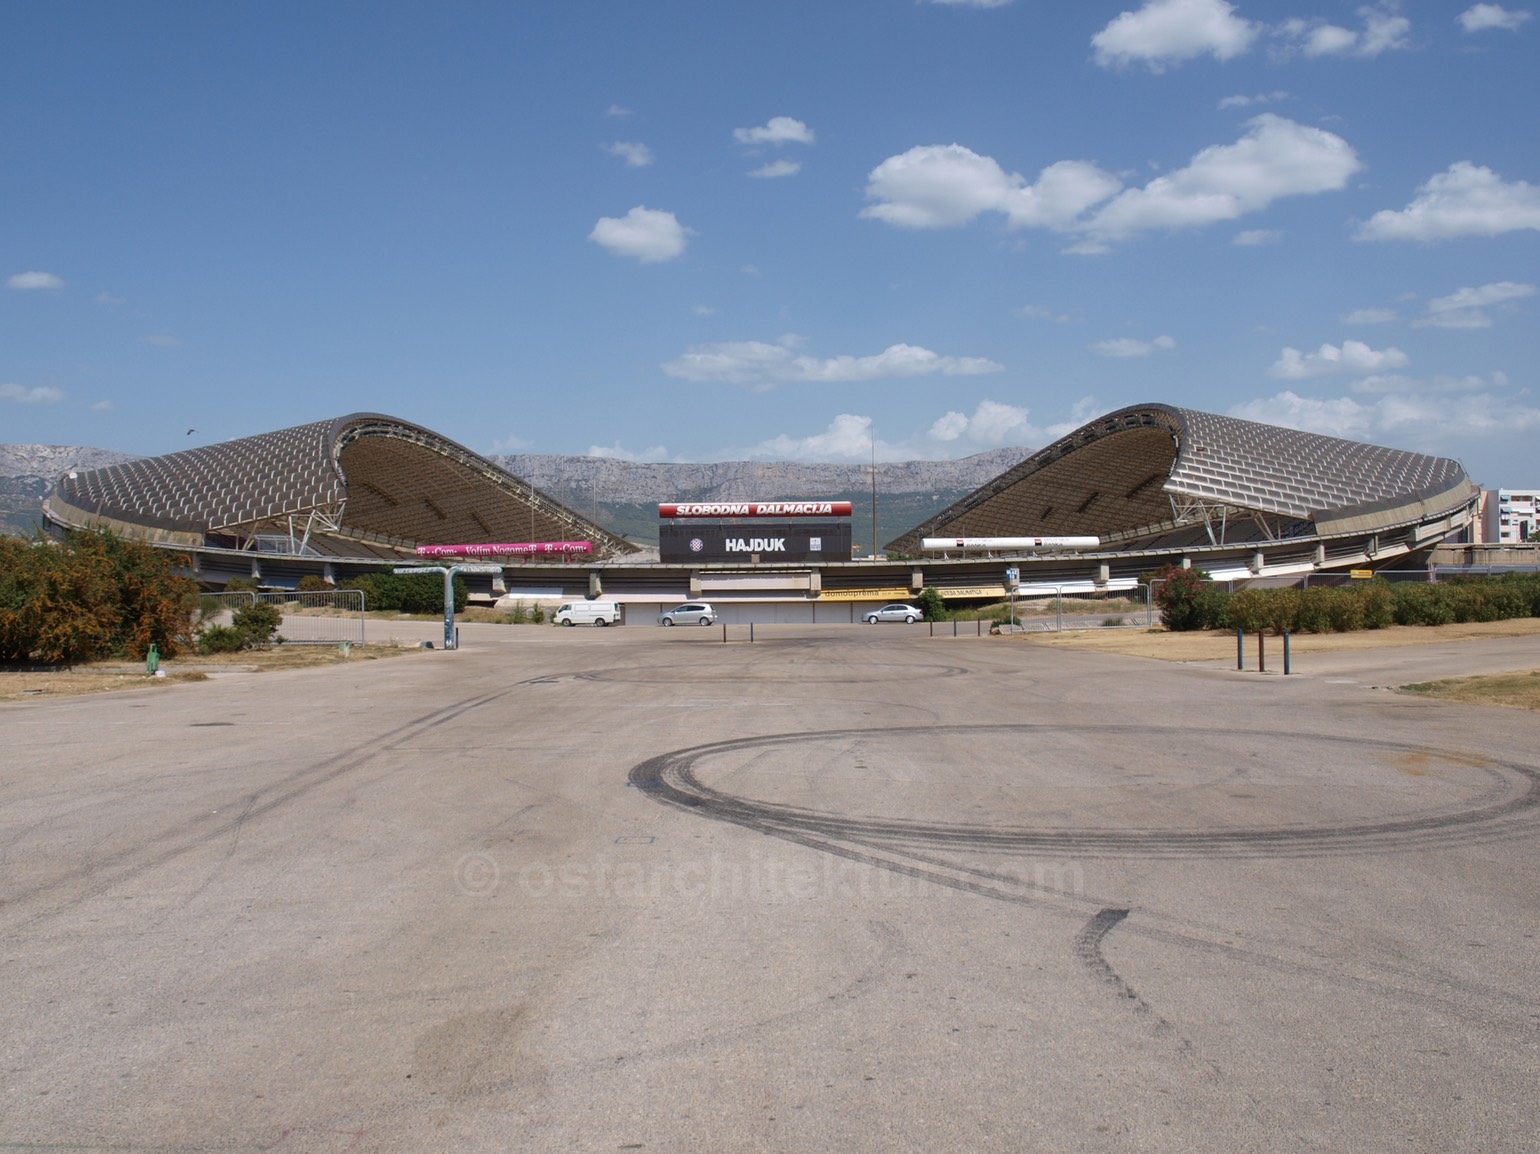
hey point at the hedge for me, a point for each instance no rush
(1361, 605)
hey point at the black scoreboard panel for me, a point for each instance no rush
(770, 541)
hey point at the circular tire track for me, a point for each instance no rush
(671, 779)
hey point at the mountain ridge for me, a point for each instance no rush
(622, 490)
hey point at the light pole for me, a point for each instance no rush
(449, 572)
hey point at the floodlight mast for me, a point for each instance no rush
(449, 572)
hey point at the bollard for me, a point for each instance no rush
(1285, 652)
(724, 633)
(751, 632)
(1261, 651)
(1240, 650)
(151, 659)
(954, 627)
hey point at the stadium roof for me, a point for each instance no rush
(1149, 475)
(364, 484)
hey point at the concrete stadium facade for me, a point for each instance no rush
(1155, 483)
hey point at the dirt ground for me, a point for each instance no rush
(104, 676)
(1220, 646)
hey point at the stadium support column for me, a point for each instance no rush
(595, 585)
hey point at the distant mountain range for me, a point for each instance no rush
(621, 495)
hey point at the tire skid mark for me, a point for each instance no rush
(898, 846)
(95, 877)
(672, 779)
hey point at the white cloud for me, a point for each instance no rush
(634, 154)
(945, 186)
(1256, 237)
(616, 453)
(1039, 313)
(851, 437)
(38, 395)
(777, 168)
(1467, 307)
(1481, 17)
(1415, 416)
(512, 443)
(648, 234)
(992, 423)
(618, 112)
(779, 130)
(973, 3)
(762, 365)
(848, 438)
(1463, 200)
(703, 310)
(1242, 101)
(1166, 32)
(103, 407)
(1129, 347)
(1276, 158)
(1383, 31)
(109, 300)
(1330, 360)
(1369, 317)
(35, 280)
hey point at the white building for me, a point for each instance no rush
(1511, 516)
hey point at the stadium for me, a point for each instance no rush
(1155, 484)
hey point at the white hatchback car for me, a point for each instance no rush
(690, 613)
(908, 614)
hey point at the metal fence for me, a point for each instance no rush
(1078, 608)
(327, 617)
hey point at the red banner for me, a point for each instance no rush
(756, 509)
(517, 549)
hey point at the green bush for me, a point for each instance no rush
(386, 592)
(930, 602)
(1177, 595)
(1379, 604)
(1418, 603)
(1248, 610)
(240, 585)
(310, 583)
(257, 624)
(1212, 607)
(220, 639)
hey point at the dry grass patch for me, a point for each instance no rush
(1219, 645)
(107, 676)
(1515, 690)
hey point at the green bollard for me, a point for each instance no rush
(152, 660)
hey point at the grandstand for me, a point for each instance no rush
(1157, 484)
(1161, 481)
(364, 486)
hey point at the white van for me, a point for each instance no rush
(588, 613)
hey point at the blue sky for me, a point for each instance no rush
(702, 231)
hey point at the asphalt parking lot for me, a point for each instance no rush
(841, 889)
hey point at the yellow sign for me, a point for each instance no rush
(897, 594)
(1360, 574)
(973, 591)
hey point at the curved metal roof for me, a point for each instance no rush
(1148, 469)
(366, 475)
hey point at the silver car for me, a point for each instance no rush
(908, 614)
(690, 613)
